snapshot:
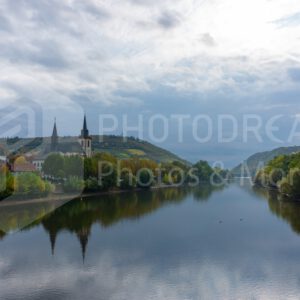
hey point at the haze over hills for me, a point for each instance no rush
(259, 159)
(115, 145)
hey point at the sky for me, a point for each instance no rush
(62, 58)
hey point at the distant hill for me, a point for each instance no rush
(261, 158)
(110, 143)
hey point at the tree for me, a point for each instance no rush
(144, 178)
(203, 170)
(53, 165)
(30, 184)
(74, 184)
(6, 182)
(128, 181)
(73, 166)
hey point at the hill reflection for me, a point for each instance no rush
(79, 215)
(285, 209)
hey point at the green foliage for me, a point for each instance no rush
(6, 183)
(59, 166)
(104, 171)
(54, 165)
(31, 184)
(293, 180)
(73, 184)
(145, 178)
(203, 171)
(283, 173)
(219, 175)
(121, 149)
(73, 166)
(256, 160)
(91, 184)
(127, 181)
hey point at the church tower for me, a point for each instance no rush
(54, 138)
(85, 140)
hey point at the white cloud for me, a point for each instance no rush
(112, 278)
(101, 49)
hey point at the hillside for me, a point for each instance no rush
(112, 144)
(262, 158)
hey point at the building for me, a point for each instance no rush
(38, 161)
(64, 146)
(54, 139)
(22, 167)
(85, 140)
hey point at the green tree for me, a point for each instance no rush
(31, 184)
(53, 165)
(74, 166)
(145, 178)
(128, 181)
(6, 183)
(203, 170)
(74, 184)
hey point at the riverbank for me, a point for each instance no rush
(286, 197)
(69, 197)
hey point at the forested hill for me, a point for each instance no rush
(263, 157)
(111, 143)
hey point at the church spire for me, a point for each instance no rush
(52, 235)
(54, 137)
(84, 123)
(85, 140)
(84, 131)
(83, 236)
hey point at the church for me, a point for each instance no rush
(65, 145)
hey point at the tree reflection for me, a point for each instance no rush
(79, 215)
(283, 208)
(204, 192)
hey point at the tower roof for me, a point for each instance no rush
(54, 132)
(84, 130)
(83, 236)
(54, 138)
(52, 235)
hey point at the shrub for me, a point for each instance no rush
(145, 178)
(92, 185)
(128, 181)
(73, 184)
(31, 184)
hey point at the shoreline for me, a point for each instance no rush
(289, 198)
(69, 197)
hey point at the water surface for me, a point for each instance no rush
(226, 243)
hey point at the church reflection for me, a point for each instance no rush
(79, 215)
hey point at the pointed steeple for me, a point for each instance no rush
(52, 235)
(83, 236)
(84, 123)
(84, 131)
(54, 137)
(54, 133)
(85, 140)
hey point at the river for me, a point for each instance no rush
(231, 242)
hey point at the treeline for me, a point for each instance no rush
(282, 173)
(104, 171)
(25, 185)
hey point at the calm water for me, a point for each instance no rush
(227, 243)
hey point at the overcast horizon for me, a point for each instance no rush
(63, 58)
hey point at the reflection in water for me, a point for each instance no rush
(282, 207)
(79, 215)
(162, 244)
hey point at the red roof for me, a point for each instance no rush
(23, 167)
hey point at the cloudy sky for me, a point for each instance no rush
(61, 58)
